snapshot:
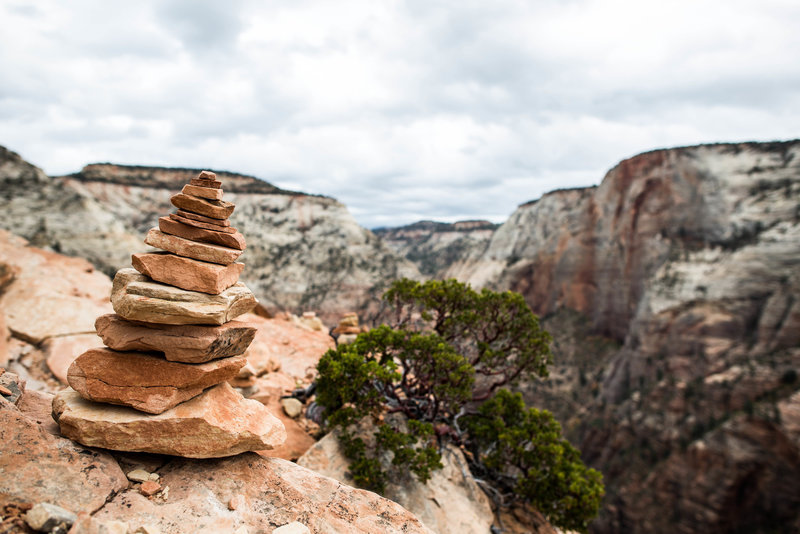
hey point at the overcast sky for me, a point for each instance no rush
(403, 110)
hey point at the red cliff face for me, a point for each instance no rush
(690, 259)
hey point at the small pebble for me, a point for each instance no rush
(149, 487)
(236, 502)
(139, 475)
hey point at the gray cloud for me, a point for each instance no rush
(437, 110)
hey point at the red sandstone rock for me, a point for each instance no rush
(191, 249)
(179, 343)
(49, 294)
(200, 224)
(202, 191)
(4, 335)
(187, 273)
(269, 390)
(145, 381)
(226, 239)
(61, 351)
(149, 488)
(219, 422)
(276, 492)
(206, 183)
(296, 351)
(38, 406)
(215, 209)
(200, 218)
(36, 466)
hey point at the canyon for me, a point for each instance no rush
(671, 289)
(305, 252)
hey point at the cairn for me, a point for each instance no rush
(160, 384)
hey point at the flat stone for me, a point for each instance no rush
(226, 239)
(45, 517)
(138, 298)
(201, 224)
(36, 466)
(201, 218)
(179, 343)
(149, 488)
(207, 175)
(139, 475)
(211, 193)
(219, 422)
(191, 249)
(205, 183)
(186, 273)
(144, 381)
(215, 209)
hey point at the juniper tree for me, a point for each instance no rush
(434, 373)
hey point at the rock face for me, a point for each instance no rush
(304, 252)
(438, 248)
(37, 466)
(219, 422)
(449, 503)
(195, 495)
(46, 294)
(275, 493)
(679, 276)
(147, 382)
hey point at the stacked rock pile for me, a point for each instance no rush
(161, 382)
(348, 329)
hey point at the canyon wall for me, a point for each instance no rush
(673, 292)
(304, 252)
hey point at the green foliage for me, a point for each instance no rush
(524, 447)
(441, 359)
(496, 331)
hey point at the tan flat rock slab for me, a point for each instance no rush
(138, 298)
(226, 239)
(215, 209)
(202, 191)
(219, 422)
(145, 381)
(180, 343)
(187, 273)
(201, 224)
(191, 249)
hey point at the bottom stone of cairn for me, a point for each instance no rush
(219, 422)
